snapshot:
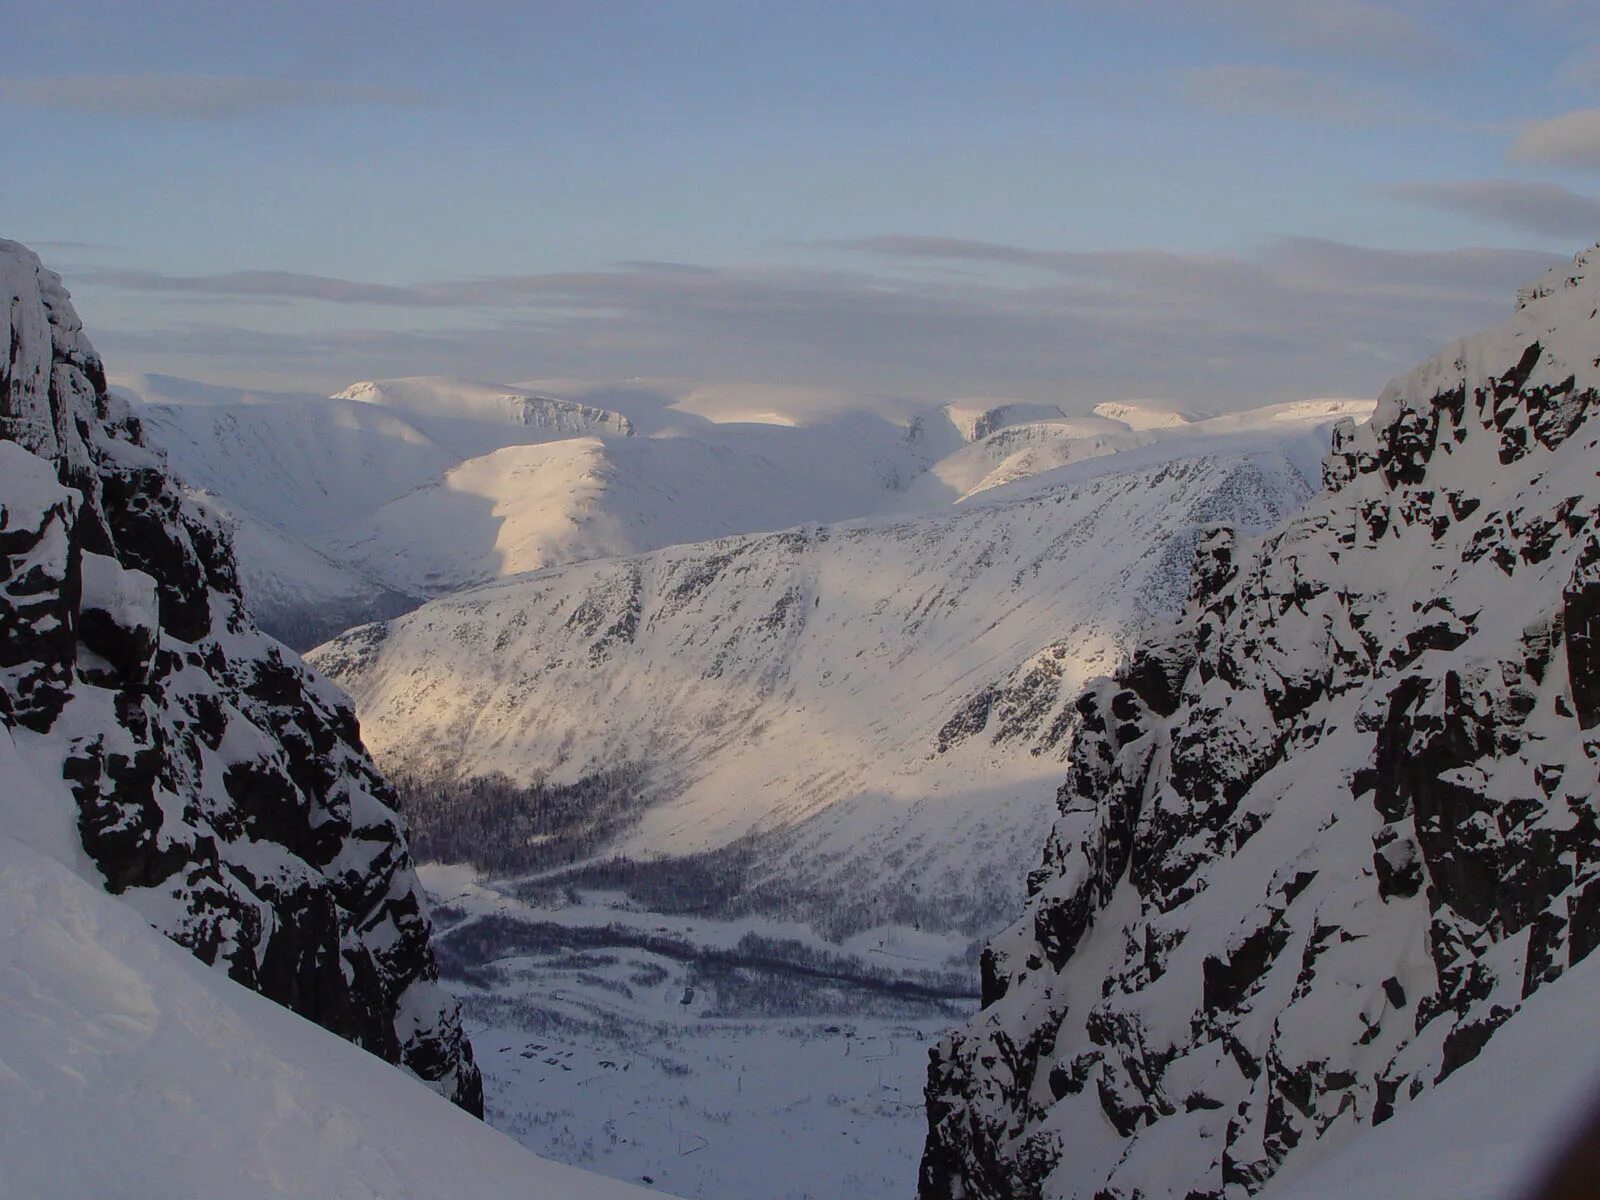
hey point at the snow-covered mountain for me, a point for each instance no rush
(525, 507)
(873, 713)
(471, 418)
(361, 505)
(1333, 833)
(280, 472)
(194, 768)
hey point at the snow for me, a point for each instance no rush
(525, 507)
(812, 688)
(129, 1069)
(977, 419)
(358, 506)
(127, 596)
(32, 488)
(1265, 967)
(734, 1083)
(304, 465)
(1465, 1139)
(1149, 414)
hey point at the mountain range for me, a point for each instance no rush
(719, 720)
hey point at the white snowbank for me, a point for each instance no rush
(1486, 1132)
(130, 1069)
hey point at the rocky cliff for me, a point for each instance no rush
(1323, 838)
(221, 786)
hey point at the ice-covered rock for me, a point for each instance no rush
(1319, 841)
(220, 786)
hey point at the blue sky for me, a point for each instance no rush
(1220, 201)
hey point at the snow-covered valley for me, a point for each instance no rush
(725, 747)
(705, 1057)
(832, 746)
(865, 722)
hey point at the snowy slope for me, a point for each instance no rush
(356, 507)
(212, 781)
(884, 705)
(1150, 414)
(1021, 450)
(1331, 834)
(1462, 1140)
(305, 465)
(353, 507)
(294, 591)
(282, 471)
(476, 418)
(526, 507)
(132, 1070)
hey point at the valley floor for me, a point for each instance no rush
(733, 1060)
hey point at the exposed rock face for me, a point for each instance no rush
(222, 788)
(1322, 839)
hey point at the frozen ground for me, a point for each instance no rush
(683, 1054)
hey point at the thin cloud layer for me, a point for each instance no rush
(1351, 28)
(1582, 69)
(192, 96)
(1570, 140)
(1295, 318)
(1286, 92)
(274, 285)
(1547, 209)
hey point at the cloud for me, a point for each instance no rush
(1547, 209)
(194, 96)
(1293, 318)
(1581, 70)
(1352, 28)
(58, 244)
(1570, 140)
(1308, 262)
(1267, 91)
(259, 285)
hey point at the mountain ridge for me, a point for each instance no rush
(218, 786)
(1319, 840)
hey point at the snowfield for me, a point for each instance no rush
(129, 1069)
(671, 1050)
(1486, 1133)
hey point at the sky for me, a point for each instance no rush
(1215, 202)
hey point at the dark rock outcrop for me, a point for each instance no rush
(222, 787)
(1320, 841)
